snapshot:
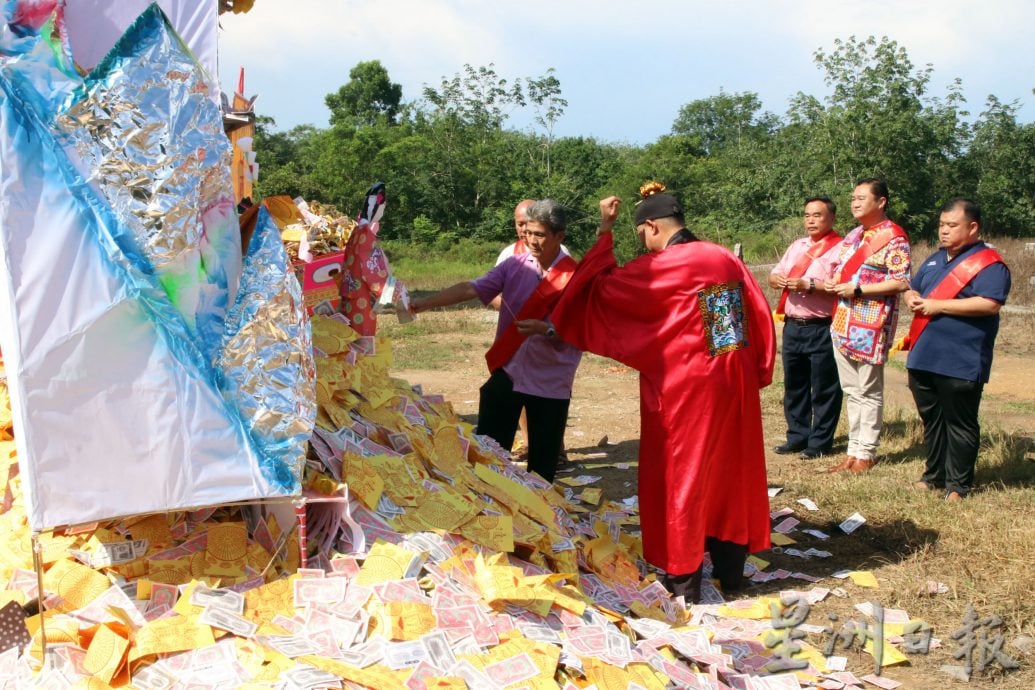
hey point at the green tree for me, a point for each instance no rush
(287, 160)
(368, 98)
(1002, 161)
(878, 121)
(719, 122)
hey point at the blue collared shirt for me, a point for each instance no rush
(959, 346)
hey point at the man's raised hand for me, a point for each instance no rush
(608, 214)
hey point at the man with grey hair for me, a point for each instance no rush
(529, 366)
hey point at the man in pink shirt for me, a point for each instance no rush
(530, 366)
(812, 390)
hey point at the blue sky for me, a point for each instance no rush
(625, 68)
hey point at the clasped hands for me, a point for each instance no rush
(919, 305)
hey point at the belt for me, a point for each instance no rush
(818, 321)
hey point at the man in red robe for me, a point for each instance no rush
(693, 321)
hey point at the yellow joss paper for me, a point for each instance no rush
(754, 609)
(407, 620)
(60, 630)
(54, 547)
(608, 677)
(644, 611)
(265, 602)
(758, 562)
(569, 598)
(132, 569)
(445, 683)
(447, 444)
(76, 584)
(168, 635)
(891, 655)
(864, 578)
(175, 571)
(529, 502)
(363, 479)
(183, 605)
(226, 549)
(781, 539)
(611, 560)
(444, 510)
(386, 562)
(331, 336)
(154, 528)
(492, 531)
(106, 654)
(591, 496)
(258, 557)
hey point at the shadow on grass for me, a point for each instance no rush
(867, 548)
(623, 451)
(1004, 460)
(903, 431)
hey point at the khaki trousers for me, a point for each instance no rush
(863, 386)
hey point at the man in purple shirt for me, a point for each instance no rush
(812, 390)
(536, 369)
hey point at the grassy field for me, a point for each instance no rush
(983, 550)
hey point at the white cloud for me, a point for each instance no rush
(625, 67)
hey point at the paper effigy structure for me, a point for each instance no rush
(151, 367)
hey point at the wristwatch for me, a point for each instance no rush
(858, 291)
(550, 332)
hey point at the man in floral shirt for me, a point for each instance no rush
(873, 269)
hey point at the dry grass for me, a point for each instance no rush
(982, 549)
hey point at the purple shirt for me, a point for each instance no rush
(541, 366)
(801, 305)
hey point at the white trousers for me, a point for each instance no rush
(863, 385)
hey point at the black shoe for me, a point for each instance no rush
(813, 453)
(787, 448)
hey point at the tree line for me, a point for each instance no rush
(454, 168)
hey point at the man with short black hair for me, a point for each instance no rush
(955, 298)
(811, 388)
(689, 316)
(873, 269)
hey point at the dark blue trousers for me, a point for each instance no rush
(812, 390)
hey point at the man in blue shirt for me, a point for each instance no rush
(955, 299)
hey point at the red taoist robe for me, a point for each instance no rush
(693, 321)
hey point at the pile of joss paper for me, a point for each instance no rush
(432, 561)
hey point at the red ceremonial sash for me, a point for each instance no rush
(537, 306)
(948, 287)
(874, 244)
(804, 261)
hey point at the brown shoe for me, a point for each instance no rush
(861, 466)
(953, 497)
(845, 465)
(922, 486)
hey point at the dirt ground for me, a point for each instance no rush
(603, 428)
(603, 422)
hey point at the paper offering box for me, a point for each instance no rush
(321, 280)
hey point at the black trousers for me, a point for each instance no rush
(499, 407)
(812, 390)
(949, 410)
(728, 560)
